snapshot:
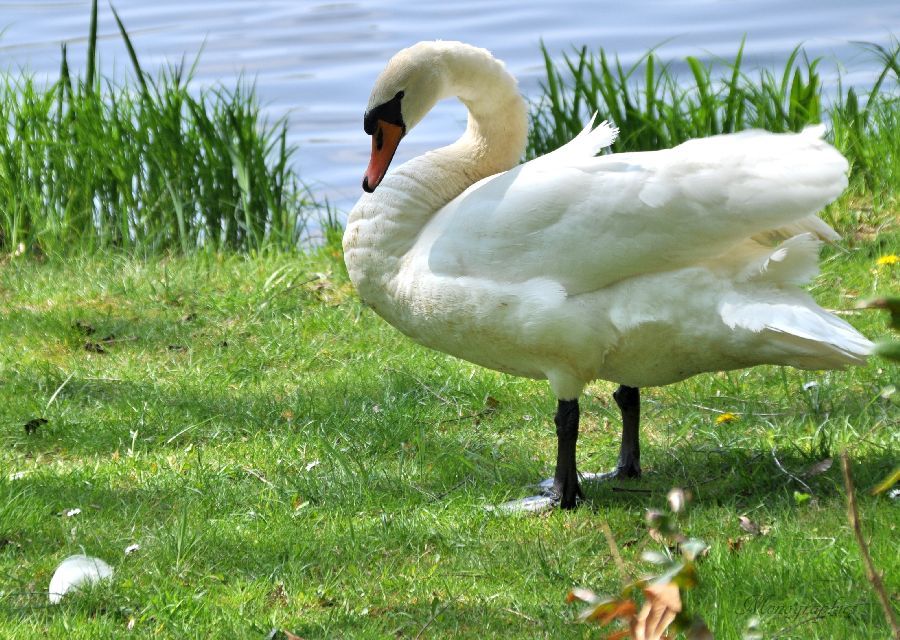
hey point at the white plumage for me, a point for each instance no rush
(638, 268)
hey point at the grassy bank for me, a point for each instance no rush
(285, 460)
(147, 165)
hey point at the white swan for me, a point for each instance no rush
(638, 268)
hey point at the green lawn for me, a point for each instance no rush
(286, 460)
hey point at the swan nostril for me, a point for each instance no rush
(379, 138)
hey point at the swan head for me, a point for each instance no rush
(411, 83)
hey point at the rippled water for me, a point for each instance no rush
(315, 61)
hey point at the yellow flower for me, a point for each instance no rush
(726, 417)
(888, 260)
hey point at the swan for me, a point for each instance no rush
(641, 269)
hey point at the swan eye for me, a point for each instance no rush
(389, 111)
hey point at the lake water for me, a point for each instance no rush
(315, 62)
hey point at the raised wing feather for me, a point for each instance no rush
(587, 221)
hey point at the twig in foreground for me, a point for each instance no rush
(871, 574)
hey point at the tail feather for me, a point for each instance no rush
(806, 335)
(774, 180)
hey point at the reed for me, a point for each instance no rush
(659, 104)
(146, 165)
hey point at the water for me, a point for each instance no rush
(315, 62)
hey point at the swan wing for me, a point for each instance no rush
(586, 221)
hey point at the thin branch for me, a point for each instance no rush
(789, 474)
(872, 575)
(447, 492)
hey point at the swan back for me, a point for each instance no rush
(588, 221)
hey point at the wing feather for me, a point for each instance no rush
(587, 221)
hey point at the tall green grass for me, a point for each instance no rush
(151, 164)
(655, 107)
(147, 164)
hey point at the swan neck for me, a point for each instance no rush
(497, 126)
(384, 225)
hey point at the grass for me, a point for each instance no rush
(286, 460)
(656, 108)
(147, 165)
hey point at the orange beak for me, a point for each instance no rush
(385, 140)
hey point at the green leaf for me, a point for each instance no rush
(92, 49)
(131, 52)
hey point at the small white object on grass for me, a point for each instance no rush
(75, 571)
(677, 499)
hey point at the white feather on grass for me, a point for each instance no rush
(75, 571)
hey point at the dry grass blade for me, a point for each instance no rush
(614, 550)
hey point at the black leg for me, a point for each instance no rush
(629, 401)
(565, 480)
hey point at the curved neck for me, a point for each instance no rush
(383, 226)
(494, 141)
(498, 122)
